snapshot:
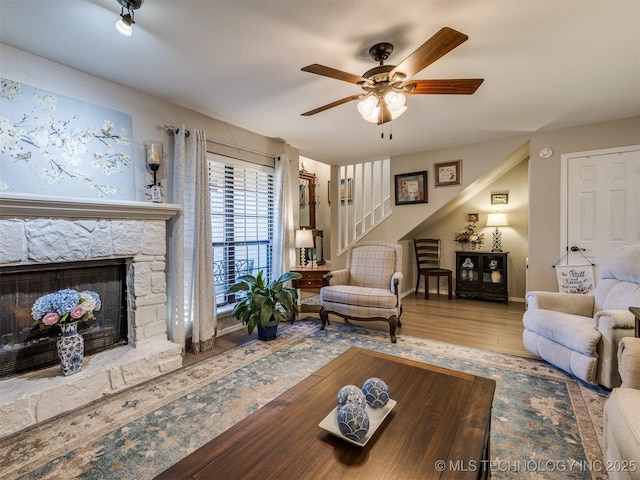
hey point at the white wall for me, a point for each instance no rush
(149, 114)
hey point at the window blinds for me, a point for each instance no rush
(242, 196)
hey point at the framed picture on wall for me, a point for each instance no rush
(448, 173)
(345, 189)
(499, 198)
(411, 188)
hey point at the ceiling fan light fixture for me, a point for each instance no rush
(369, 108)
(385, 85)
(395, 103)
(373, 116)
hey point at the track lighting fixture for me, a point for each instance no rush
(124, 25)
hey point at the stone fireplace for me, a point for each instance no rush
(43, 230)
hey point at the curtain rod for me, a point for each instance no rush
(173, 130)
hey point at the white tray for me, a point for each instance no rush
(376, 417)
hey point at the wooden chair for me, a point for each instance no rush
(428, 260)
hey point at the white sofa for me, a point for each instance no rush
(580, 333)
(622, 416)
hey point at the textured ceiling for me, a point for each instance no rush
(546, 64)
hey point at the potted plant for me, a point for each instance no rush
(264, 303)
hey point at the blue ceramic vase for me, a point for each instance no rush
(70, 348)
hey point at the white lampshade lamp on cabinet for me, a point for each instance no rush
(497, 220)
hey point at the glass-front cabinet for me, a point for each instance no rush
(482, 275)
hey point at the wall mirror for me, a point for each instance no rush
(307, 194)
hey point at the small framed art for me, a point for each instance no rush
(448, 173)
(345, 189)
(411, 188)
(499, 198)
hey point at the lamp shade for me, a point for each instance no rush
(304, 239)
(497, 220)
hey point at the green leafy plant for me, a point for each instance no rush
(264, 301)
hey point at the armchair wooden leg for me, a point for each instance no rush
(324, 316)
(393, 323)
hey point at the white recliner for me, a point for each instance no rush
(622, 416)
(580, 333)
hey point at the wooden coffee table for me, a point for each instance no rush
(439, 428)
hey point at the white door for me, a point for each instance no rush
(602, 203)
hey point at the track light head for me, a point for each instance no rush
(124, 25)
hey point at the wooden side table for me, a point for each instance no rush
(636, 313)
(311, 277)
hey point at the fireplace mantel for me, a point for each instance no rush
(22, 206)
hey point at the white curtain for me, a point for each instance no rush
(284, 233)
(191, 292)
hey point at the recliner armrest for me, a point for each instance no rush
(574, 304)
(629, 362)
(619, 319)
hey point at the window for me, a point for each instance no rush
(241, 221)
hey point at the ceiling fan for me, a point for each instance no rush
(385, 85)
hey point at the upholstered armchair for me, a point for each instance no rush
(580, 333)
(368, 288)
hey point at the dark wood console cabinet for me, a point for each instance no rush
(482, 275)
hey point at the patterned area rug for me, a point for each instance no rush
(545, 424)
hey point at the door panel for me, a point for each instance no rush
(603, 202)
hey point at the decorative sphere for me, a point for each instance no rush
(376, 392)
(351, 394)
(353, 421)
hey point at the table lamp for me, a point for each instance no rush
(304, 240)
(497, 220)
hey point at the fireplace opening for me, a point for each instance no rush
(23, 348)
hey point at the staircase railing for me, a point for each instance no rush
(365, 200)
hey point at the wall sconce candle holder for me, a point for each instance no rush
(154, 154)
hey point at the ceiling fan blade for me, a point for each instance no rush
(453, 86)
(333, 73)
(440, 44)
(333, 104)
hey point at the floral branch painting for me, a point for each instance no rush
(55, 145)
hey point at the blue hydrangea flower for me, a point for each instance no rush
(65, 300)
(42, 306)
